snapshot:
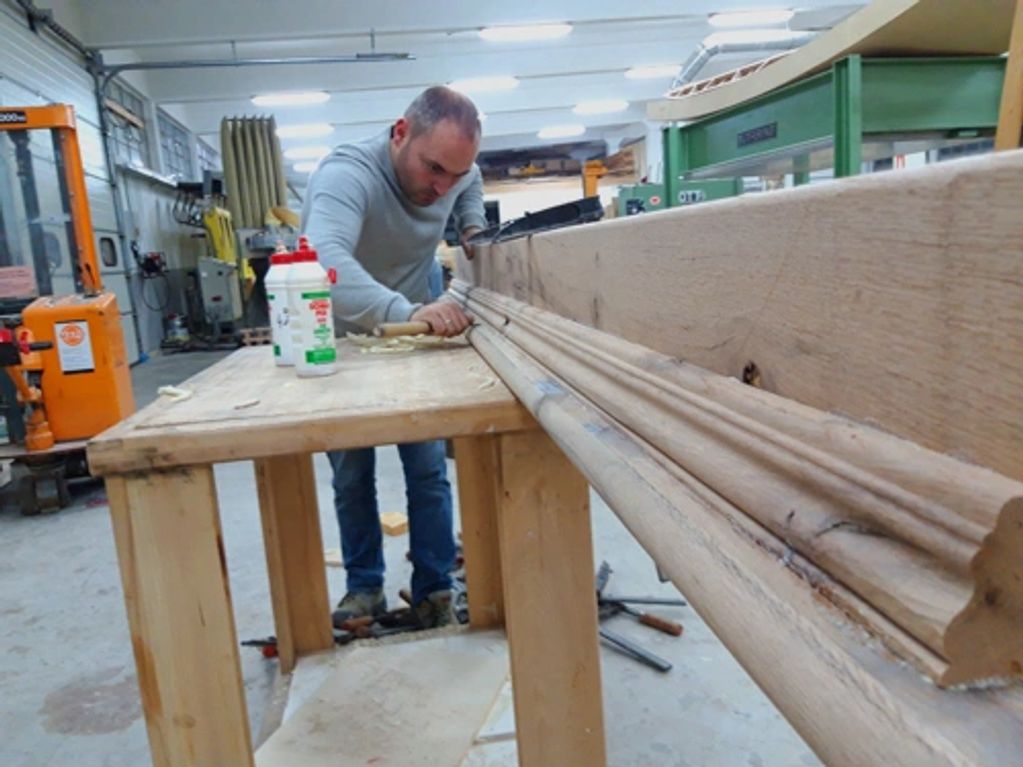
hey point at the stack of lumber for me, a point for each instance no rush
(854, 531)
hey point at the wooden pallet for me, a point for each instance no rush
(255, 336)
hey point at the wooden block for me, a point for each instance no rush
(394, 523)
(332, 557)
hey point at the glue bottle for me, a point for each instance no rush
(310, 313)
(277, 301)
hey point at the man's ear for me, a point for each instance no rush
(401, 131)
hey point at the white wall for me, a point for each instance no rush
(35, 71)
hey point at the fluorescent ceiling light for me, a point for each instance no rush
(750, 18)
(525, 33)
(606, 107)
(751, 36)
(480, 84)
(652, 72)
(561, 131)
(293, 99)
(307, 152)
(305, 167)
(305, 130)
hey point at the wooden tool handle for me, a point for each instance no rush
(661, 624)
(392, 329)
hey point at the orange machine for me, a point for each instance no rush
(66, 354)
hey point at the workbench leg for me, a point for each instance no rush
(294, 556)
(550, 608)
(476, 459)
(171, 556)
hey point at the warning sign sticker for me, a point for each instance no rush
(74, 347)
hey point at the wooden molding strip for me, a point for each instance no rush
(930, 542)
(843, 692)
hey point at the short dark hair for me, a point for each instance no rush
(442, 103)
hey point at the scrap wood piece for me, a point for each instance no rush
(933, 544)
(394, 523)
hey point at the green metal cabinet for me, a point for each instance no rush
(860, 109)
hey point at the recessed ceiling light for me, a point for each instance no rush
(525, 33)
(293, 99)
(751, 36)
(606, 107)
(561, 131)
(652, 72)
(307, 152)
(305, 167)
(305, 130)
(481, 84)
(750, 18)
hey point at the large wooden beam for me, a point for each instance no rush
(855, 705)
(891, 298)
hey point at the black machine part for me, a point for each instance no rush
(579, 211)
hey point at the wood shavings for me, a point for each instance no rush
(175, 393)
(401, 344)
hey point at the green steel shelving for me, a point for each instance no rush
(861, 109)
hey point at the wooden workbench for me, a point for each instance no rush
(525, 525)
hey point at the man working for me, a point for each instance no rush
(375, 211)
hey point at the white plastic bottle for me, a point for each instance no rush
(310, 313)
(277, 300)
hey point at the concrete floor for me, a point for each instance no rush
(69, 692)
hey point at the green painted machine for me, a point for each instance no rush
(859, 110)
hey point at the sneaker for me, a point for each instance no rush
(358, 604)
(436, 611)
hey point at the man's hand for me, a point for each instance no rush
(444, 316)
(470, 250)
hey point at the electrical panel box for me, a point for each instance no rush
(221, 292)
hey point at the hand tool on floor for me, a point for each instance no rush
(643, 600)
(647, 619)
(634, 650)
(609, 605)
(268, 646)
(608, 608)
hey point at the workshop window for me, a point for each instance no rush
(208, 157)
(125, 109)
(176, 147)
(108, 251)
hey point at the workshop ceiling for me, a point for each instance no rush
(606, 39)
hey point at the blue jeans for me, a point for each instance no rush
(431, 536)
(435, 280)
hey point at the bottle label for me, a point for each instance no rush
(321, 356)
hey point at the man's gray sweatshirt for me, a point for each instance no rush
(381, 245)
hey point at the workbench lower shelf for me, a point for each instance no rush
(441, 701)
